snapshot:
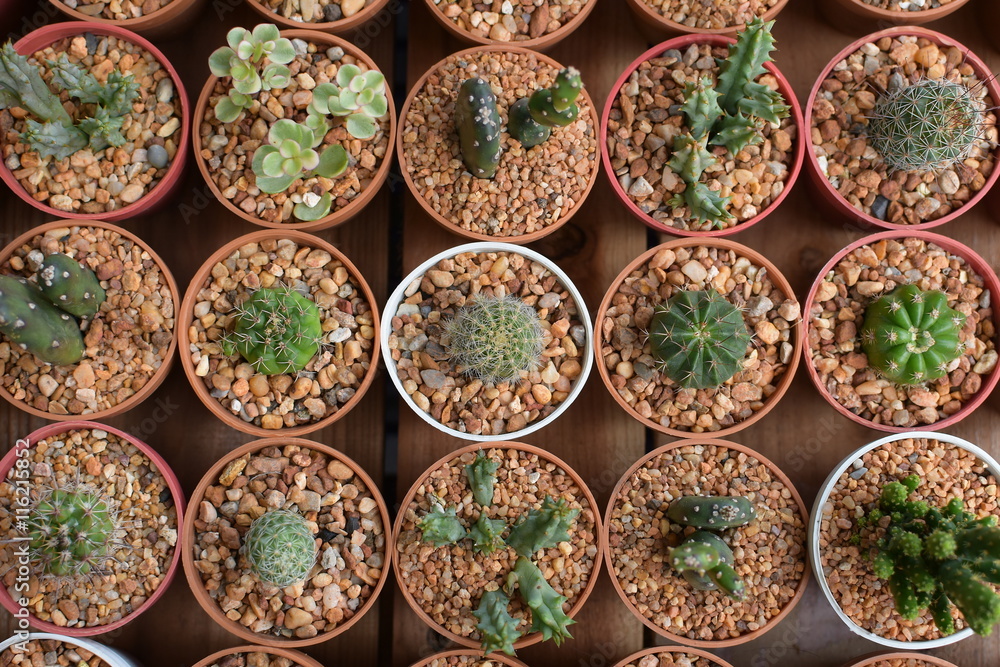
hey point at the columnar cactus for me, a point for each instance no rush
(547, 615)
(712, 512)
(706, 562)
(72, 531)
(70, 286)
(487, 534)
(280, 548)
(911, 335)
(544, 528)
(698, 338)
(243, 61)
(29, 320)
(495, 339)
(531, 119)
(496, 625)
(482, 474)
(478, 122)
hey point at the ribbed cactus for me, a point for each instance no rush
(70, 286)
(497, 627)
(495, 339)
(927, 125)
(547, 615)
(712, 512)
(72, 531)
(280, 548)
(698, 338)
(482, 474)
(487, 534)
(706, 562)
(531, 119)
(30, 321)
(478, 123)
(543, 528)
(278, 330)
(911, 336)
(441, 527)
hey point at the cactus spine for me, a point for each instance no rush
(712, 512)
(70, 286)
(29, 320)
(72, 531)
(532, 118)
(544, 528)
(280, 548)
(495, 339)
(482, 474)
(478, 122)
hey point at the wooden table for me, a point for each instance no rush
(595, 436)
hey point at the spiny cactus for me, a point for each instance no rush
(927, 125)
(72, 531)
(28, 319)
(487, 534)
(495, 339)
(712, 512)
(241, 60)
(706, 562)
(280, 548)
(911, 335)
(497, 627)
(70, 285)
(547, 615)
(531, 119)
(360, 96)
(698, 338)
(441, 527)
(478, 123)
(482, 474)
(542, 528)
(277, 330)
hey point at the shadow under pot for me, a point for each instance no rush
(672, 656)
(257, 656)
(468, 658)
(18, 651)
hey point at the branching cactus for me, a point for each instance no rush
(487, 534)
(497, 627)
(495, 339)
(531, 119)
(478, 123)
(358, 96)
(69, 285)
(543, 528)
(29, 320)
(911, 335)
(442, 527)
(482, 474)
(547, 615)
(243, 60)
(280, 548)
(277, 330)
(73, 531)
(698, 338)
(712, 512)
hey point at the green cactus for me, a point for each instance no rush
(712, 512)
(29, 320)
(706, 562)
(702, 581)
(543, 528)
(531, 119)
(547, 615)
(280, 548)
(482, 474)
(70, 286)
(699, 339)
(442, 527)
(277, 330)
(495, 339)
(72, 531)
(911, 336)
(497, 627)
(487, 534)
(478, 123)
(358, 96)
(242, 60)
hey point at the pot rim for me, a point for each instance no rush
(341, 26)
(676, 648)
(300, 659)
(113, 657)
(661, 23)
(149, 22)
(494, 657)
(541, 43)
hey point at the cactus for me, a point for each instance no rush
(495, 339)
(29, 320)
(482, 474)
(531, 119)
(72, 531)
(441, 527)
(241, 61)
(280, 548)
(542, 528)
(911, 336)
(277, 330)
(698, 338)
(927, 125)
(70, 286)
(478, 123)
(360, 96)
(712, 512)
(487, 534)
(546, 605)
(705, 561)
(497, 627)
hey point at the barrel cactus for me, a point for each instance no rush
(280, 548)
(495, 339)
(72, 531)
(478, 123)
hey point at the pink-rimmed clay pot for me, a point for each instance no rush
(8, 461)
(681, 43)
(991, 283)
(300, 659)
(874, 658)
(44, 36)
(822, 184)
(655, 25)
(167, 20)
(659, 650)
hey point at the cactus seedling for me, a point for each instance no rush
(497, 627)
(28, 319)
(482, 474)
(70, 285)
(699, 338)
(532, 118)
(712, 512)
(547, 615)
(72, 531)
(442, 527)
(241, 61)
(911, 336)
(544, 528)
(280, 548)
(495, 339)
(478, 124)
(706, 562)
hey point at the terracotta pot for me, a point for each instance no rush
(873, 658)
(161, 373)
(336, 217)
(43, 37)
(724, 244)
(681, 43)
(113, 657)
(659, 650)
(495, 658)
(185, 318)
(655, 26)
(542, 43)
(822, 184)
(609, 556)
(991, 283)
(855, 15)
(531, 637)
(166, 21)
(193, 577)
(299, 659)
(445, 222)
(176, 492)
(342, 27)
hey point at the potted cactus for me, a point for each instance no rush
(909, 521)
(901, 331)
(734, 153)
(665, 656)
(122, 162)
(499, 553)
(698, 338)
(36, 647)
(302, 118)
(481, 358)
(538, 25)
(257, 656)
(485, 180)
(897, 147)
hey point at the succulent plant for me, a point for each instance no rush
(441, 527)
(29, 320)
(482, 474)
(497, 627)
(495, 339)
(711, 512)
(487, 534)
(72, 531)
(277, 330)
(280, 548)
(543, 528)
(360, 96)
(547, 615)
(927, 125)
(69, 285)
(706, 562)
(241, 61)
(911, 336)
(531, 119)
(698, 338)
(478, 123)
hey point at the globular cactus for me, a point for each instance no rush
(278, 330)
(478, 123)
(441, 527)
(28, 319)
(487, 534)
(698, 338)
(280, 548)
(72, 531)
(497, 627)
(495, 339)
(712, 512)
(547, 615)
(531, 119)
(706, 562)
(543, 528)
(482, 474)
(911, 336)
(927, 125)
(70, 286)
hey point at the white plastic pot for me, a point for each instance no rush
(113, 657)
(817, 516)
(587, 354)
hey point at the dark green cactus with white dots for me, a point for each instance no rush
(32, 322)
(712, 512)
(703, 558)
(531, 119)
(478, 123)
(70, 285)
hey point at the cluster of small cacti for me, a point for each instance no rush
(911, 336)
(495, 339)
(725, 114)
(699, 338)
(58, 135)
(530, 121)
(538, 529)
(277, 330)
(280, 548)
(703, 558)
(241, 61)
(40, 318)
(933, 558)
